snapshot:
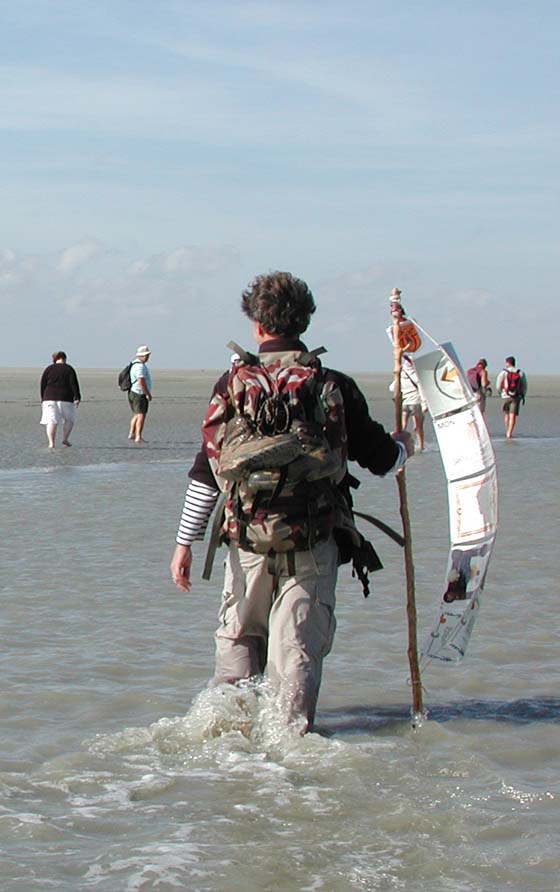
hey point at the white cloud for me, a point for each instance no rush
(205, 259)
(7, 257)
(73, 303)
(185, 302)
(476, 299)
(87, 293)
(138, 268)
(76, 256)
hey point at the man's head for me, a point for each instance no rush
(282, 304)
(143, 352)
(510, 360)
(59, 356)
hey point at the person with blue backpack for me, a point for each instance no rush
(511, 384)
(140, 393)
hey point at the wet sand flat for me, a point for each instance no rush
(180, 399)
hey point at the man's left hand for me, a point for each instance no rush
(406, 439)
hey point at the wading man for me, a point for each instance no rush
(277, 436)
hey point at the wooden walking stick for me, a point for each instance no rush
(404, 335)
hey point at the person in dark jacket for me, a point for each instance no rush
(278, 608)
(60, 396)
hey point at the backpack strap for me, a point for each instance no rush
(385, 528)
(308, 357)
(214, 536)
(411, 379)
(244, 355)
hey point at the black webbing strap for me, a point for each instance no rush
(385, 528)
(291, 559)
(307, 358)
(272, 563)
(214, 536)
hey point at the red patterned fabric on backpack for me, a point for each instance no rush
(276, 442)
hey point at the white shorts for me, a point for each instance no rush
(55, 411)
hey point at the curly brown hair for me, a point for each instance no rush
(282, 303)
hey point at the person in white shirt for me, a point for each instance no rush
(140, 393)
(413, 404)
(511, 384)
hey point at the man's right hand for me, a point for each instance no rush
(181, 567)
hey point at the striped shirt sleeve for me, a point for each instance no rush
(401, 460)
(199, 503)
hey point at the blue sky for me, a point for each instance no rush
(155, 156)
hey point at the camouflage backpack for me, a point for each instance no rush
(276, 443)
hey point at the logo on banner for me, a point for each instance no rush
(447, 379)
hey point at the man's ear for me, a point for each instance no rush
(259, 333)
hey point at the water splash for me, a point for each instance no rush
(417, 719)
(251, 714)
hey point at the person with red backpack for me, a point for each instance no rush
(477, 377)
(511, 384)
(276, 440)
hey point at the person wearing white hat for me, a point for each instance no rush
(140, 393)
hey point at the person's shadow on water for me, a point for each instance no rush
(359, 719)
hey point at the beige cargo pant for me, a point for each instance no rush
(283, 622)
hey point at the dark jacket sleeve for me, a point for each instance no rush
(369, 443)
(200, 469)
(43, 383)
(74, 385)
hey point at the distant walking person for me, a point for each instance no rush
(511, 384)
(140, 393)
(480, 383)
(60, 395)
(413, 404)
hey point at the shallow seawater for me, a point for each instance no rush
(122, 769)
